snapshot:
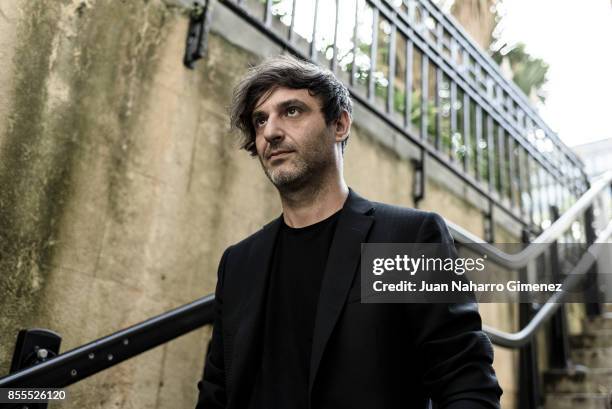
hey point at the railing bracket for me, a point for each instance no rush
(196, 44)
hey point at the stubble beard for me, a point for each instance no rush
(303, 170)
(290, 179)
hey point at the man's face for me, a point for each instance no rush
(293, 143)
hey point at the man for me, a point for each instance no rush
(290, 330)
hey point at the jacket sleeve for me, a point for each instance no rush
(456, 355)
(212, 386)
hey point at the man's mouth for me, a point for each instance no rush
(278, 153)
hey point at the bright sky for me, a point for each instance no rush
(574, 38)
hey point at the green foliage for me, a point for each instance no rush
(529, 72)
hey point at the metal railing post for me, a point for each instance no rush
(529, 381)
(558, 353)
(592, 294)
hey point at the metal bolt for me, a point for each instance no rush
(126, 341)
(91, 355)
(110, 357)
(42, 353)
(73, 372)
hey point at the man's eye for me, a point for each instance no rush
(293, 111)
(259, 122)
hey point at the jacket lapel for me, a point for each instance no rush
(249, 335)
(344, 255)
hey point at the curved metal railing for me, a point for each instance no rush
(550, 235)
(522, 337)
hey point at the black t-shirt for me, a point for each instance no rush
(297, 266)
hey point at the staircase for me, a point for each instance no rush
(589, 384)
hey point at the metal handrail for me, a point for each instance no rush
(522, 337)
(548, 236)
(79, 363)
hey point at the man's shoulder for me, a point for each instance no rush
(382, 210)
(393, 223)
(245, 245)
(402, 214)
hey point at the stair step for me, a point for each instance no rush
(577, 401)
(591, 380)
(594, 339)
(598, 357)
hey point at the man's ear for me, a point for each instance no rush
(342, 126)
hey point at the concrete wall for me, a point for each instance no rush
(121, 184)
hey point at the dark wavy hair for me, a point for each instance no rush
(289, 72)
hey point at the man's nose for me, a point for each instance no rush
(273, 132)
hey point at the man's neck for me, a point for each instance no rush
(312, 204)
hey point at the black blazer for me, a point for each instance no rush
(373, 356)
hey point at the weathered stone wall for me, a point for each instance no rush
(121, 184)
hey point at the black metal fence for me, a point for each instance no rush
(417, 69)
